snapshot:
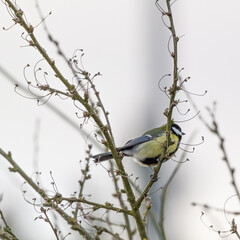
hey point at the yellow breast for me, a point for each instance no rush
(154, 148)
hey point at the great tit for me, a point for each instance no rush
(147, 148)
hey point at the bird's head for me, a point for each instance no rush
(177, 130)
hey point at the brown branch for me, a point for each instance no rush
(209, 207)
(214, 128)
(48, 201)
(18, 14)
(47, 219)
(97, 206)
(121, 202)
(101, 229)
(172, 91)
(6, 232)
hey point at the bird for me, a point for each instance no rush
(148, 147)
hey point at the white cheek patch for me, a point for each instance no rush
(177, 131)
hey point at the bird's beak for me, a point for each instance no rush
(183, 133)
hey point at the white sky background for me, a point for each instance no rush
(127, 42)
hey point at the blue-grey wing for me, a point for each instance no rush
(136, 141)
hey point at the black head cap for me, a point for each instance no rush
(177, 130)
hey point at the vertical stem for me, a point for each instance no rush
(174, 55)
(121, 202)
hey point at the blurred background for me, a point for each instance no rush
(127, 42)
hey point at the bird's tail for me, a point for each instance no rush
(102, 157)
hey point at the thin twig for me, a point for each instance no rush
(48, 201)
(214, 128)
(47, 219)
(209, 207)
(121, 202)
(86, 176)
(172, 91)
(6, 232)
(57, 111)
(101, 229)
(165, 190)
(18, 17)
(97, 206)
